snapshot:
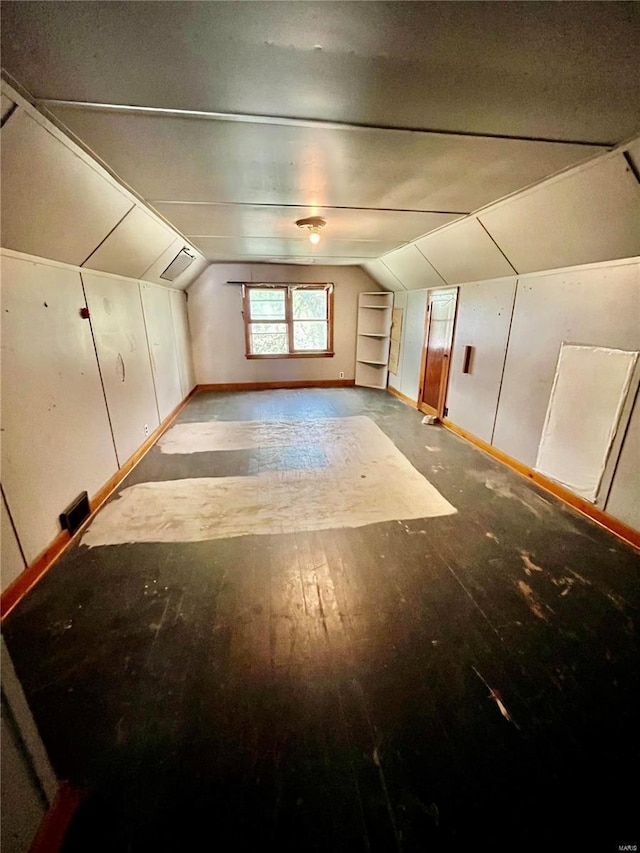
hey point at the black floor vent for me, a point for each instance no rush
(75, 513)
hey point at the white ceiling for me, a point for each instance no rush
(387, 119)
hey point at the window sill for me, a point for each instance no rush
(295, 355)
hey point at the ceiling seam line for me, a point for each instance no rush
(257, 118)
(305, 206)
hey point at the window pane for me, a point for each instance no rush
(266, 304)
(269, 338)
(309, 335)
(309, 304)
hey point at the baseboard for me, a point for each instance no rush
(53, 828)
(613, 525)
(36, 570)
(274, 386)
(402, 397)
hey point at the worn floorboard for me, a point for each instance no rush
(438, 684)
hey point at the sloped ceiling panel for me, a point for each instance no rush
(464, 252)
(54, 204)
(160, 264)
(592, 214)
(255, 163)
(383, 275)
(132, 246)
(412, 268)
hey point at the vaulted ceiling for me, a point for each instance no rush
(234, 119)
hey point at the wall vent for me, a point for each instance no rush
(76, 513)
(178, 265)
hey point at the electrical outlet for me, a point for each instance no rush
(146, 429)
(341, 374)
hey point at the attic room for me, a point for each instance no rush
(320, 355)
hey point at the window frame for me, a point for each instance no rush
(288, 288)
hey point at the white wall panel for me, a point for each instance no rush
(12, 563)
(132, 246)
(399, 301)
(624, 495)
(183, 341)
(383, 275)
(413, 342)
(484, 314)
(56, 436)
(162, 347)
(411, 267)
(54, 205)
(598, 306)
(161, 263)
(464, 252)
(589, 215)
(121, 344)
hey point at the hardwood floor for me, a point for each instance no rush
(454, 683)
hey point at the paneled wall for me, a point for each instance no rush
(586, 214)
(556, 262)
(516, 326)
(79, 395)
(217, 327)
(598, 306)
(407, 379)
(83, 217)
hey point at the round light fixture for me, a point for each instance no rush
(312, 224)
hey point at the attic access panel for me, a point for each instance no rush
(178, 265)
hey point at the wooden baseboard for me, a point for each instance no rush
(36, 570)
(53, 828)
(613, 525)
(402, 397)
(274, 386)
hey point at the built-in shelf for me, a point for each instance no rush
(374, 337)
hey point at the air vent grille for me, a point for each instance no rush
(178, 265)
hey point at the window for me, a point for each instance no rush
(288, 320)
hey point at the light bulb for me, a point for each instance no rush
(314, 237)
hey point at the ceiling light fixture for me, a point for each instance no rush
(313, 224)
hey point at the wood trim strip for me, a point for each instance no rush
(402, 396)
(25, 582)
(322, 354)
(274, 386)
(613, 525)
(54, 825)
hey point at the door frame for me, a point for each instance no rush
(444, 379)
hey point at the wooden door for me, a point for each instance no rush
(441, 315)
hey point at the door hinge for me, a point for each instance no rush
(445, 412)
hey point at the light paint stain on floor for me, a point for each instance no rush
(529, 565)
(367, 480)
(535, 606)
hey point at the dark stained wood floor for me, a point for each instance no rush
(457, 683)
